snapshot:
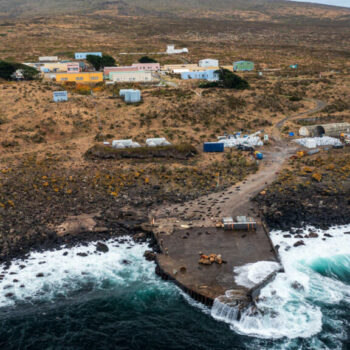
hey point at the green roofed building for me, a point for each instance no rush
(242, 66)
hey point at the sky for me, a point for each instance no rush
(344, 3)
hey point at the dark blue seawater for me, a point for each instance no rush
(115, 301)
(138, 319)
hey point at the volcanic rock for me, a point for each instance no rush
(101, 247)
(298, 243)
(82, 254)
(149, 255)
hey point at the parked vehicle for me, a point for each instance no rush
(245, 148)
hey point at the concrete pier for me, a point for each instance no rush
(180, 253)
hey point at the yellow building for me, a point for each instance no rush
(83, 77)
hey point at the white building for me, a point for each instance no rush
(208, 62)
(173, 68)
(48, 59)
(131, 77)
(171, 50)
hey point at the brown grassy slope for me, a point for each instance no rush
(257, 9)
(311, 42)
(31, 122)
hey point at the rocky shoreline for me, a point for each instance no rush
(128, 223)
(286, 211)
(293, 209)
(37, 198)
(43, 207)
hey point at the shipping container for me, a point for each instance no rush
(242, 223)
(213, 147)
(241, 226)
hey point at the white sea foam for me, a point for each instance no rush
(250, 275)
(122, 265)
(291, 306)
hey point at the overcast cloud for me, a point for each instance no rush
(344, 3)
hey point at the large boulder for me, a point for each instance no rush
(101, 247)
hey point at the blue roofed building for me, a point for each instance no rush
(210, 75)
(83, 55)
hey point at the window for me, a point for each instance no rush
(94, 78)
(79, 78)
(64, 79)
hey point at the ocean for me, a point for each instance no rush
(114, 300)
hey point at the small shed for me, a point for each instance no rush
(243, 66)
(59, 96)
(130, 95)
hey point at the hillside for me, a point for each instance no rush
(256, 9)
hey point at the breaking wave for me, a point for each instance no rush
(64, 273)
(303, 301)
(80, 296)
(250, 275)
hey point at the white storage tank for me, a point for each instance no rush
(122, 92)
(132, 96)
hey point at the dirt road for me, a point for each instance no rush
(319, 106)
(185, 231)
(206, 211)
